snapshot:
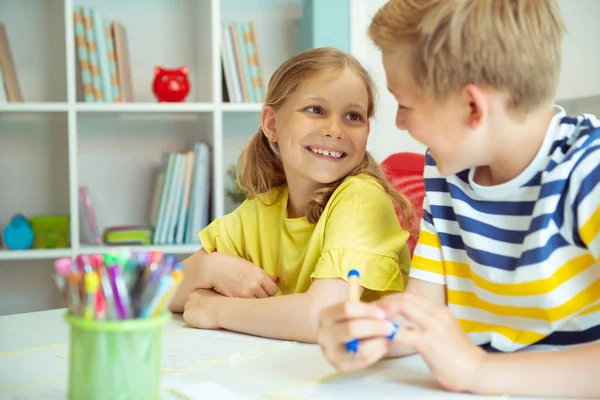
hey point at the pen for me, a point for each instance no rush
(92, 282)
(120, 295)
(164, 299)
(353, 296)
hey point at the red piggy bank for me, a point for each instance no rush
(171, 85)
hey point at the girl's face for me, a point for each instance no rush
(322, 129)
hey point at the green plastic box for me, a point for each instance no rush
(115, 359)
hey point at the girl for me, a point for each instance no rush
(318, 205)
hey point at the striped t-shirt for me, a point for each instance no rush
(521, 260)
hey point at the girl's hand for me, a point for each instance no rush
(451, 357)
(344, 322)
(235, 277)
(202, 309)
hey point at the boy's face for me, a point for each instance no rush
(441, 126)
(322, 129)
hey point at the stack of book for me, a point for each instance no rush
(242, 69)
(10, 91)
(180, 203)
(103, 58)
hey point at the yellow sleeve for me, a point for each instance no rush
(362, 232)
(226, 234)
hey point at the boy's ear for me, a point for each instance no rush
(269, 128)
(477, 101)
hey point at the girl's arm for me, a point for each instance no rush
(230, 275)
(291, 317)
(194, 277)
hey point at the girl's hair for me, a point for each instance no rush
(260, 168)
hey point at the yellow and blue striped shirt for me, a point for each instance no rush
(521, 260)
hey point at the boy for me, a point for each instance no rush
(509, 249)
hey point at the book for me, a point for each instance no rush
(9, 72)
(88, 217)
(102, 52)
(185, 201)
(261, 81)
(231, 74)
(252, 56)
(82, 54)
(237, 47)
(247, 80)
(164, 198)
(123, 65)
(88, 23)
(3, 95)
(112, 63)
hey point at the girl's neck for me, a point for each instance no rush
(299, 195)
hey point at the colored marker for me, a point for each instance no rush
(353, 296)
(120, 294)
(92, 283)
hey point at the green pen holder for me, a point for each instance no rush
(115, 359)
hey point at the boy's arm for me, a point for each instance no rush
(573, 372)
(291, 317)
(433, 291)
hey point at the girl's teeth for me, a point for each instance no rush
(333, 154)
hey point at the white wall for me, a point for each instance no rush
(385, 138)
(579, 76)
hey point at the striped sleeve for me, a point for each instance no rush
(427, 263)
(585, 195)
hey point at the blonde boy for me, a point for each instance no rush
(509, 251)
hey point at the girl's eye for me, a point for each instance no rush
(315, 110)
(354, 117)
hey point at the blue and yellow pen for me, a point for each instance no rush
(353, 296)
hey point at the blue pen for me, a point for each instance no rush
(354, 296)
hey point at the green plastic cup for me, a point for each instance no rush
(115, 359)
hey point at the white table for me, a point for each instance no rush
(277, 371)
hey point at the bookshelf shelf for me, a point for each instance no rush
(173, 249)
(145, 107)
(36, 254)
(241, 107)
(52, 254)
(33, 107)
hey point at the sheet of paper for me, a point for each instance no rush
(33, 367)
(188, 349)
(172, 389)
(386, 381)
(29, 371)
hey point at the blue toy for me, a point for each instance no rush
(18, 234)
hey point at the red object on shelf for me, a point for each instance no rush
(404, 171)
(171, 85)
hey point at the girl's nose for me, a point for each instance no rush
(334, 130)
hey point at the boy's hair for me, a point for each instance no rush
(260, 168)
(511, 45)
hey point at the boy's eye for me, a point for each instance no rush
(315, 110)
(354, 116)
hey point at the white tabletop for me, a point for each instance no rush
(283, 370)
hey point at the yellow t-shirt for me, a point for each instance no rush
(358, 229)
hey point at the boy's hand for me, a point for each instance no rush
(202, 309)
(235, 277)
(343, 322)
(453, 360)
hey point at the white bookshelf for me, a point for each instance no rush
(54, 142)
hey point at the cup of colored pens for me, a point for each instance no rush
(117, 306)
